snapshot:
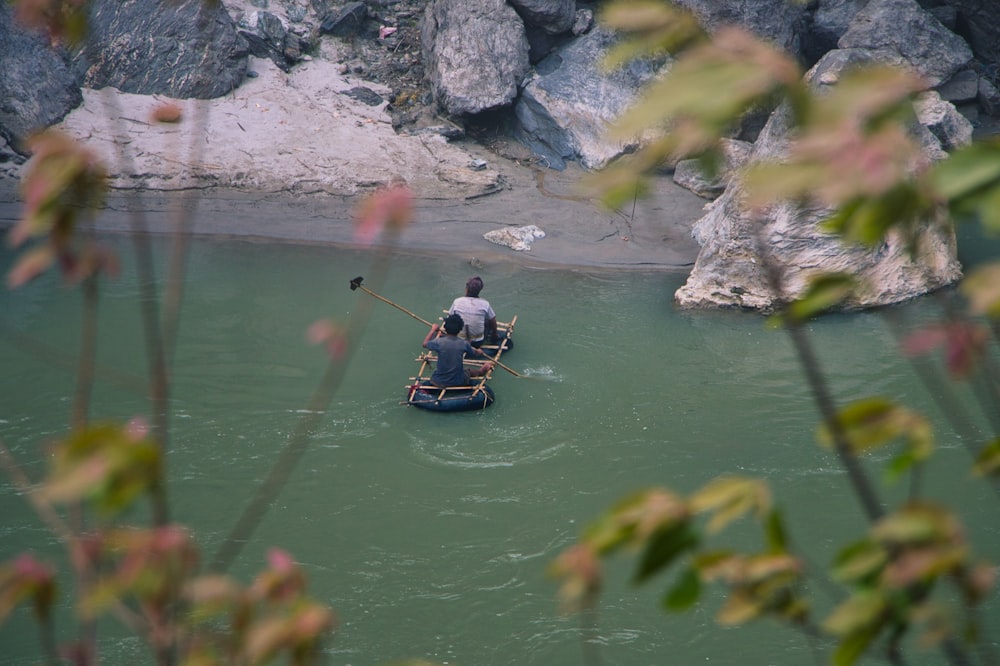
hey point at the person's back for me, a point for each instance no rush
(451, 352)
(479, 317)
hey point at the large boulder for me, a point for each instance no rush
(904, 27)
(552, 16)
(736, 245)
(779, 21)
(828, 20)
(184, 49)
(475, 54)
(37, 86)
(569, 103)
(979, 22)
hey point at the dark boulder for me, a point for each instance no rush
(184, 49)
(779, 21)
(569, 103)
(37, 86)
(904, 27)
(349, 21)
(269, 38)
(552, 16)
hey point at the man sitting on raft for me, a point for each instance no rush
(451, 351)
(480, 320)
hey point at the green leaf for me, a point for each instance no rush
(915, 524)
(663, 547)
(988, 460)
(968, 171)
(982, 288)
(777, 536)
(861, 612)
(859, 561)
(825, 290)
(875, 422)
(685, 592)
(852, 647)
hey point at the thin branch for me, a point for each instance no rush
(314, 412)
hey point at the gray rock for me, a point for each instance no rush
(691, 175)
(730, 269)
(37, 87)
(269, 39)
(962, 87)
(191, 50)
(980, 21)
(475, 54)
(989, 97)
(583, 22)
(553, 16)
(827, 24)
(567, 105)
(351, 20)
(904, 27)
(944, 121)
(780, 21)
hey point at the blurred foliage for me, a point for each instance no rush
(848, 149)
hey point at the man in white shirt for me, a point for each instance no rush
(480, 320)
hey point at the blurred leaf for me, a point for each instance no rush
(875, 422)
(923, 564)
(861, 612)
(685, 592)
(27, 579)
(988, 460)
(730, 498)
(106, 464)
(867, 218)
(212, 595)
(61, 20)
(30, 265)
(825, 291)
(859, 561)
(707, 90)
(968, 173)
(739, 608)
(853, 646)
(916, 524)
(777, 536)
(964, 343)
(982, 287)
(389, 208)
(663, 547)
(580, 571)
(636, 517)
(653, 28)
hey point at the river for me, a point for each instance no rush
(430, 534)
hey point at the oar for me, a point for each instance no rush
(356, 284)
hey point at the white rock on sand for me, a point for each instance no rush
(294, 132)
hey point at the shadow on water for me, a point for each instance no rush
(428, 533)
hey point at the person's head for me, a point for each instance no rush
(453, 324)
(474, 286)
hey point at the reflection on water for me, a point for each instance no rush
(430, 533)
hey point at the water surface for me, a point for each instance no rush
(428, 533)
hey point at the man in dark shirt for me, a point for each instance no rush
(451, 351)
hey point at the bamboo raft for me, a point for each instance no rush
(425, 395)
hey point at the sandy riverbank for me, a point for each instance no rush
(286, 157)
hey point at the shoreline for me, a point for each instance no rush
(655, 236)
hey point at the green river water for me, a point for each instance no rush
(429, 534)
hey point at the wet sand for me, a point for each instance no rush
(655, 235)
